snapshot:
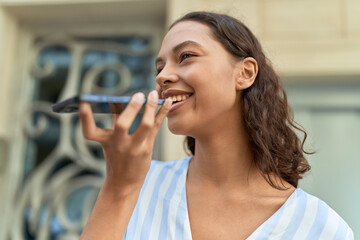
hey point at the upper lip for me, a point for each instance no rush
(173, 92)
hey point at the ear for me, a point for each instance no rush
(247, 72)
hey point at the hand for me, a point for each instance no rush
(128, 156)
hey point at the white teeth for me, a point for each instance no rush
(179, 98)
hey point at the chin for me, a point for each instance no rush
(178, 128)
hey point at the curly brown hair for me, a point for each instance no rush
(267, 115)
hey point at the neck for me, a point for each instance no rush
(224, 158)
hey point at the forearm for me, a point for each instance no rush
(111, 214)
(128, 159)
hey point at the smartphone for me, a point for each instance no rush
(99, 103)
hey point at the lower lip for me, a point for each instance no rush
(178, 104)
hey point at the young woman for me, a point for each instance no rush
(240, 181)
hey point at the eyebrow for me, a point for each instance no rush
(179, 46)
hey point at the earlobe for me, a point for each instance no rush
(247, 72)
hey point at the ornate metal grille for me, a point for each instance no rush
(62, 171)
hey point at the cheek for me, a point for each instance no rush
(216, 93)
(217, 103)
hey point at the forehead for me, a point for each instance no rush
(187, 30)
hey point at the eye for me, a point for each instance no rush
(186, 55)
(159, 69)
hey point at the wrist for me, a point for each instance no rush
(120, 191)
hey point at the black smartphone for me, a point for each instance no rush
(99, 103)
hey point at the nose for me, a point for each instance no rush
(166, 76)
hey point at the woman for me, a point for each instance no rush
(241, 180)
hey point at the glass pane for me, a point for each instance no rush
(63, 172)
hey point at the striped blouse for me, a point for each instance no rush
(161, 211)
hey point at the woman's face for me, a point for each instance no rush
(196, 69)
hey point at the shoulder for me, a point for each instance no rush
(319, 219)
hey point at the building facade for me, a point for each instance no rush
(54, 49)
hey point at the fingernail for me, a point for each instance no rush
(139, 97)
(168, 103)
(153, 97)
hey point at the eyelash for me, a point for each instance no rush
(158, 70)
(182, 56)
(181, 59)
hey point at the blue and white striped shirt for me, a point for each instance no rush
(161, 211)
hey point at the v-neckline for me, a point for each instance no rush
(278, 212)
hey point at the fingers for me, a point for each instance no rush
(116, 109)
(126, 118)
(150, 123)
(160, 116)
(158, 90)
(89, 128)
(147, 121)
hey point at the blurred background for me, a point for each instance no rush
(54, 49)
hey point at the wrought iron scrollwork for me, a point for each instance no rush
(62, 181)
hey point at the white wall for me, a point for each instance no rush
(331, 117)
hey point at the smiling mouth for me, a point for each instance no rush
(179, 98)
